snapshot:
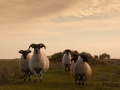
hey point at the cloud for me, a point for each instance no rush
(25, 11)
(36, 14)
(92, 10)
(12, 10)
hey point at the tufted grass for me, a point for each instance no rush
(106, 76)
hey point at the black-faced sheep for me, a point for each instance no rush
(82, 70)
(39, 62)
(73, 61)
(23, 63)
(66, 60)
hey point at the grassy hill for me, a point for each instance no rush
(106, 76)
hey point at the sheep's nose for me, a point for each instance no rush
(25, 56)
(37, 51)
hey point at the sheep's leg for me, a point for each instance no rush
(29, 76)
(86, 82)
(77, 81)
(65, 67)
(24, 76)
(35, 76)
(83, 81)
(68, 68)
(41, 76)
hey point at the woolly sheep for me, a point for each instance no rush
(82, 71)
(23, 63)
(66, 60)
(39, 62)
(73, 61)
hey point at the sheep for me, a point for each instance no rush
(66, 60)
(23, 63)
(73, 61)
(39, 62)
(82, 71)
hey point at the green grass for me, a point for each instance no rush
(52, 80)
(105, 76)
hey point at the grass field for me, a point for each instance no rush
(106, 76)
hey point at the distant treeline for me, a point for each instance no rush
(58, 56)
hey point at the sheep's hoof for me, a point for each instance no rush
(41, 80)
(29, 79)
(35, 81)
(65, 70)
(77, 83)
(82, 84)
(68, 70)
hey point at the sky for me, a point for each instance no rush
(84, 25)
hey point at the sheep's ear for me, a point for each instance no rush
(86, 59)
(29, 51)
(21, 51)
(32, 45)
(42, 45)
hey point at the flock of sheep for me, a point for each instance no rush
(38, 63)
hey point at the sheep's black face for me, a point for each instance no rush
(37, 48)
(84, 57)
(74, 58)
(24, 53)
(67, 51)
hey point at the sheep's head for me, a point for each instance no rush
(74, 58)
(25, 53)
(37, 47)
(67, 51)
(84, 57)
